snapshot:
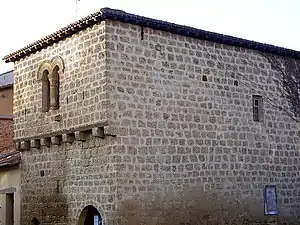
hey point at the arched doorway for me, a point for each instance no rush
(90, 216)
(35, 221)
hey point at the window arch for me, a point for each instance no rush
(49, 74)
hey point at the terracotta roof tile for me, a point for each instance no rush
(118, 15)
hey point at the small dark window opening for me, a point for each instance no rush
(57, 93)
(257, 105)
(57, 186)
(42, 173)
(142, 33)
(235, 83)
(204, 78)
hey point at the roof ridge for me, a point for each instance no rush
(120, 15)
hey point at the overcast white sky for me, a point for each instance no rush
(269, 21)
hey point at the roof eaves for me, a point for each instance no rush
(5, 165)
(197, 33)
(119, 15)
(53, 38)
(6, 117)
(10, 159)
(6, 86)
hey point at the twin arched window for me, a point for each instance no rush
(49, 73)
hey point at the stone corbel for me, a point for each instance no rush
(56, 140)
(67, 138)
(35, 143)
(18, 145)
(80, 136)
(45, 142)
(25, 145)
(98, 132)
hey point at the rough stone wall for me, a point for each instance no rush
(186, 132)
(6, 135)
(82, 95)
(42, 177)
(173, 131)
(58, 182)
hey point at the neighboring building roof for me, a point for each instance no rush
(118, 15)
(6, 79)
(10, 159)
(6, 117)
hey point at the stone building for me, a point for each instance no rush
(132, 120)
(10, 187)
(6, 108)
(9, 157)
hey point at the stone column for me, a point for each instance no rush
(54, 91)
(53, 104)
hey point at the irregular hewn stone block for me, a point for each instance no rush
(110, 131)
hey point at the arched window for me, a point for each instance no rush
(49, 73)
(45, 91)
(55, 88)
